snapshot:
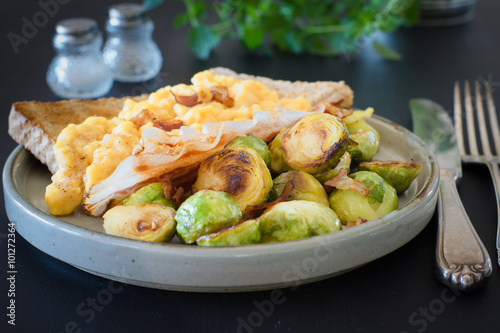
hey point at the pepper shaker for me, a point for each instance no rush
(78, 70)
(130, 50)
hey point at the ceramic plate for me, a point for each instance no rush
(79, 240)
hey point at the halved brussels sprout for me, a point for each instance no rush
(363, 126)
(343, 163)
(152, 193)
(365, 148)
(297, 219)
(206, 212)
(349, 205)
(247, 232)
(238, 171)
(305, 187)
(400, 174)
(251, 141)
(278, 164)
(151, 222)
(314, 143)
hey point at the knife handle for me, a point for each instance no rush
(462, 260)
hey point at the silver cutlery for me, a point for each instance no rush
(462, 261)
(487, 156)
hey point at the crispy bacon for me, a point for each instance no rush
(168, 188)
(287, 192)
(143, 117)
(171, 192)
(342, 181)
(359, 221)
(180, 196)
(186, 100)
(168, 125)
(333, 109)
(221, 95)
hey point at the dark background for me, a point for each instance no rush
(396, 293)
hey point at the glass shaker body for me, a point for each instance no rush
(129, 50)
(78, 70)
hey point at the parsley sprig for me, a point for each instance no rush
(319, 27)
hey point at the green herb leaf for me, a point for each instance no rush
(386, 52)
(150, 4)
(181, 20)
(202, 41)
(252, 36)
(293, 41)
(411, 14)
(313, 26)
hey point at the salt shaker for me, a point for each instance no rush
(129, 50)
(78, 70)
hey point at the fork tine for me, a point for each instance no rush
(483, 132)
(457, 112)
(471, 132)
(493, 118)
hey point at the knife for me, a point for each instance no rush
(462, 261)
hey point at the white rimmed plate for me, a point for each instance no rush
(79, 240)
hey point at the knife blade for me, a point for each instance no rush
(462, 261)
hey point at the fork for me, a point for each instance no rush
(487, 157)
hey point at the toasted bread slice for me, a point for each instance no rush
(36, 125)
(317, 92)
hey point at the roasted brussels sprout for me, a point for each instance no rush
(305, 187)
(238, 171)
(251, 141)
(152, 193)
(380, 199)
(314, 143)
(363, 126)
(206, 212)
(297, 219)
(343, 163)
(363, 146)
(278, 164)
(151, 222)
(400, 174)
(247, 232)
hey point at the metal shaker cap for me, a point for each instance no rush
(75, 31)
(127, 15)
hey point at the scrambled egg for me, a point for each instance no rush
(74, 154)
(90, 152)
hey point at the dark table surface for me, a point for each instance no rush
(398, 292)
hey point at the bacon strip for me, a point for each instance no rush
(143, 117)
(359, 221)
(344, 182)
(221, 95)
(333, 109)
(189, 100)
(287, 192)
(168, 125)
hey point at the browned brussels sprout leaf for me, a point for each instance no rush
(400, 174)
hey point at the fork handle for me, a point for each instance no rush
(462, 260)
(495, 176)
